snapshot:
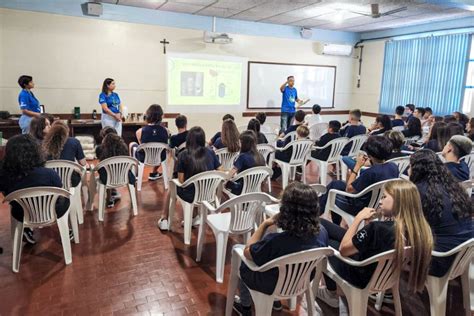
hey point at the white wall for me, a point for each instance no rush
(70, 56)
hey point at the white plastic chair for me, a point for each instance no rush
(411, 140)
(398, 128)
(468, 185)
(356, 146)
(290, 137)
(117, 169)
(402, 163)
(301, 150)
(375, 190)
(384, 278)
(252, 180)
(65, 169)
(336, 145)
(206, 187)
(226, 158)
(39, 209)
(268, 153)
(270, 128)
(469, 160)
(271, 138)
(294, 273)
(461, 266)
(240, 220)
(317, 130)
(152, 152)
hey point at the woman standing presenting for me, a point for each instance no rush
(111, 106)
(29, 104)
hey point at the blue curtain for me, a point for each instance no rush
(428, 71)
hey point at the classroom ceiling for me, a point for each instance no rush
(341, 15)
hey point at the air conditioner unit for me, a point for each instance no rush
(217, 38)
(92, 8)
(335, 49)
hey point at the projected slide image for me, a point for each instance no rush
(203, 82)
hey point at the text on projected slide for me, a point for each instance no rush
(203, 82)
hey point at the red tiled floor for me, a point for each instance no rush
(125, 265)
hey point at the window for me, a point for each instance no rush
(468, 104)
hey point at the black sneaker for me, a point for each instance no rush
(110, 203)
(277, 306)
(28, 236)
(153, 176)
(71, 234)
(242, 310)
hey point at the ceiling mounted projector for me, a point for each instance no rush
(306, 33)
(92, 8)
(217, 38)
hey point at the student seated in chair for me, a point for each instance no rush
(378, 149)
(254, 125)
(299, 120)
(397, 140)
(23, 167)
(314, 118)
(178, 139)
(153, 132)
(196, 158)
(381, 125)
(446, 205)
(218, 134)
(302, 132)
(112, 146)
(229, 137)
(398, 119)
(457, 147)
(351, 128)
(249, 157)
(403, 225)
(332, 134)
(299, 221)
(58, 145)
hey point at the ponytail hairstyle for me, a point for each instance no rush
(411, 229)
(248, 143)
(196, 148)
(230, 136)
(105, 85)
(54, 141)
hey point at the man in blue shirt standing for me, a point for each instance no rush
(289, 97)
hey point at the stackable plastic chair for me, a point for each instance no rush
(65, 169)
(39, 209)
(398, 128)
(240, 220)
(152, 152)
(468, 185)
(462, 265)
(294, 278)
(290, 137)
(384, 278)
(226, 158)
(317, 130)
(411, 140)
(117, 169)
(336, 145)
(252, 180)
(376, 194)
(402, 163)
(301, 151)
(268, 153)
(356, 146)
(271, 138)
(469, 160)
(206, 188)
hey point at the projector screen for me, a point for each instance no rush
(204, 80)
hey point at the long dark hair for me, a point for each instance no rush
(299, 211)
(113, 145)
(196, 150)
(230, 136)
(37, 125)
(54, 141)
(434, 130)
(427, 167)
(105, 85)
(414, 126)
(154, 114)
(22, 154)
(248, 143)
(254, 125)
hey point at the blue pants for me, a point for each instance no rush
(24, 123)
(285, 120)
(108, 120)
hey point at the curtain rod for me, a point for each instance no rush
(468, 30)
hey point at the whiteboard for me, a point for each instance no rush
(313, 82)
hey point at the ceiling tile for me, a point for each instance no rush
(218, 12)
(149, 4)
(181, 7)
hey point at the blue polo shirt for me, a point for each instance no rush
(112, 100)
(28, 101)
(289, 96)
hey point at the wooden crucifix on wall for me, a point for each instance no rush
(164, 42)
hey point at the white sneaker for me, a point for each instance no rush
(163, 224)
(327, 297)
(197, 221)
(343, 310)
